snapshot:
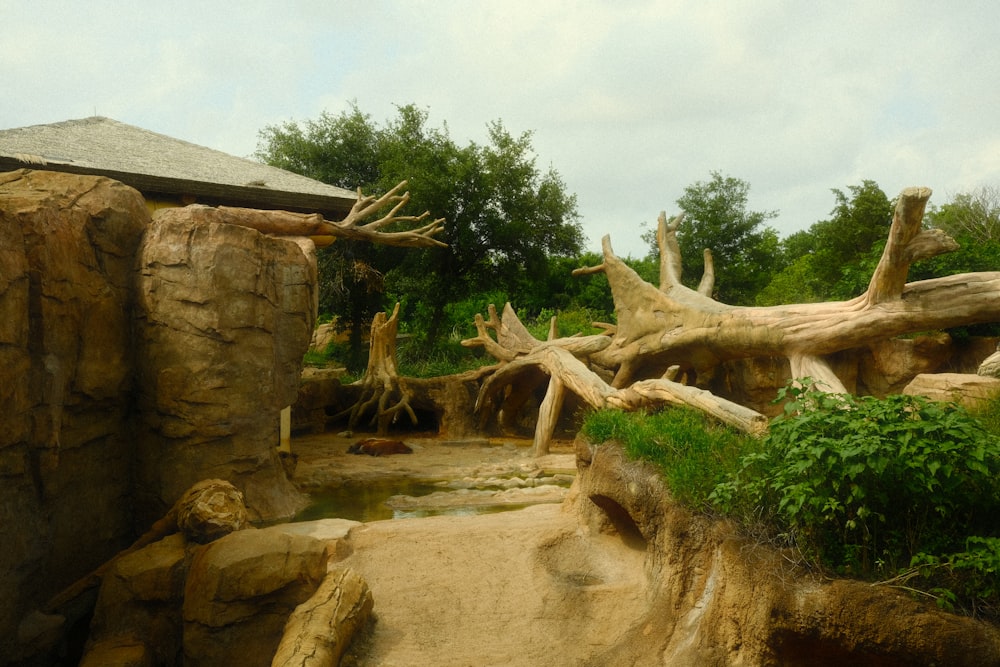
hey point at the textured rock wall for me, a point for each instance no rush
(136, 358)
(224, 316)
(67, 246)
(883, 368)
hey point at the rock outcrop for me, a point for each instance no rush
(880, 369)
(224, 316)
(719, 600)
(137, 357)
(67, 249)
(177, 601)
(965, 388)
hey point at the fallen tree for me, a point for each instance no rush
(670, 331)
(566, 365)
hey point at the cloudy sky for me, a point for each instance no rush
(630, 101)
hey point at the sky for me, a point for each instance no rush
(630, 101)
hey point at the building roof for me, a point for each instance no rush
(157, 164)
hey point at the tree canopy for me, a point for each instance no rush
(834, 258)
(505, 216)
(744, 249)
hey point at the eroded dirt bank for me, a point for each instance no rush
(615, 575)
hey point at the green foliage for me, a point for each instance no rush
(974, 215)
(568, 322)
(867, 485)
(796, 283)
(834, 259)
(987, 412)
(967, 579)
(745, 251)
(693, 452)
(505, 217)
(447, 358)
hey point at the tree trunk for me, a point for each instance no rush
(382, 383)
(675, 325)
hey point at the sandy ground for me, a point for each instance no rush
(518, 588)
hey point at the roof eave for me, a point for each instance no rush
(233, 195)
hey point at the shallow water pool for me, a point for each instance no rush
(366, 501)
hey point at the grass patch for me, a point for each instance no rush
(693, 452)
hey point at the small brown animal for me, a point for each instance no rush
(379, 447)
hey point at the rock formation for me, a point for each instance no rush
(137, 357)
(716, 599)
(224, 316)
(67, 249)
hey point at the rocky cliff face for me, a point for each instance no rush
(67, 247)
(136, 357)
(224, 315)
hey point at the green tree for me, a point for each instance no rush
(505, 217)
(834, 258)
(971, 215)
(973, 220)
(744, 249)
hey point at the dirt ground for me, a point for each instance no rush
(518, 589)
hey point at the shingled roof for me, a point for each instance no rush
(157, 164)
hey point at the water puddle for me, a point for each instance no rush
(401, 499)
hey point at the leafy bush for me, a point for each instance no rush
(693, 452)
(446, 358)
(967, 579)
(868, 483)
(568, 322)
(877, 487)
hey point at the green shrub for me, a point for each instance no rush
(901, 489)
(877, 487)
(988, 414)
(569, 322)
(446, 358)
(966, 579)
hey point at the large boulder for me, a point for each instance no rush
(138, 611)
(967, 389)
(224, 317)
(67, 246)
(177, 601)
(242, 588)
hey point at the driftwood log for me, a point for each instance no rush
(320, 628)
(324, 232)
(384, 393)
(670, 330)
(675, 325)
(566, 365)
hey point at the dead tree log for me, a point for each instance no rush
(672, 329)
(383, 390)
(563, 363)
(324, 232)
(675, 325)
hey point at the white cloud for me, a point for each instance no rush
(630, 101)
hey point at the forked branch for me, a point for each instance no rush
(353, 227)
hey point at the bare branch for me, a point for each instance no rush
(889, 276)
(670, 251)
(707, 284)
(324, 232)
